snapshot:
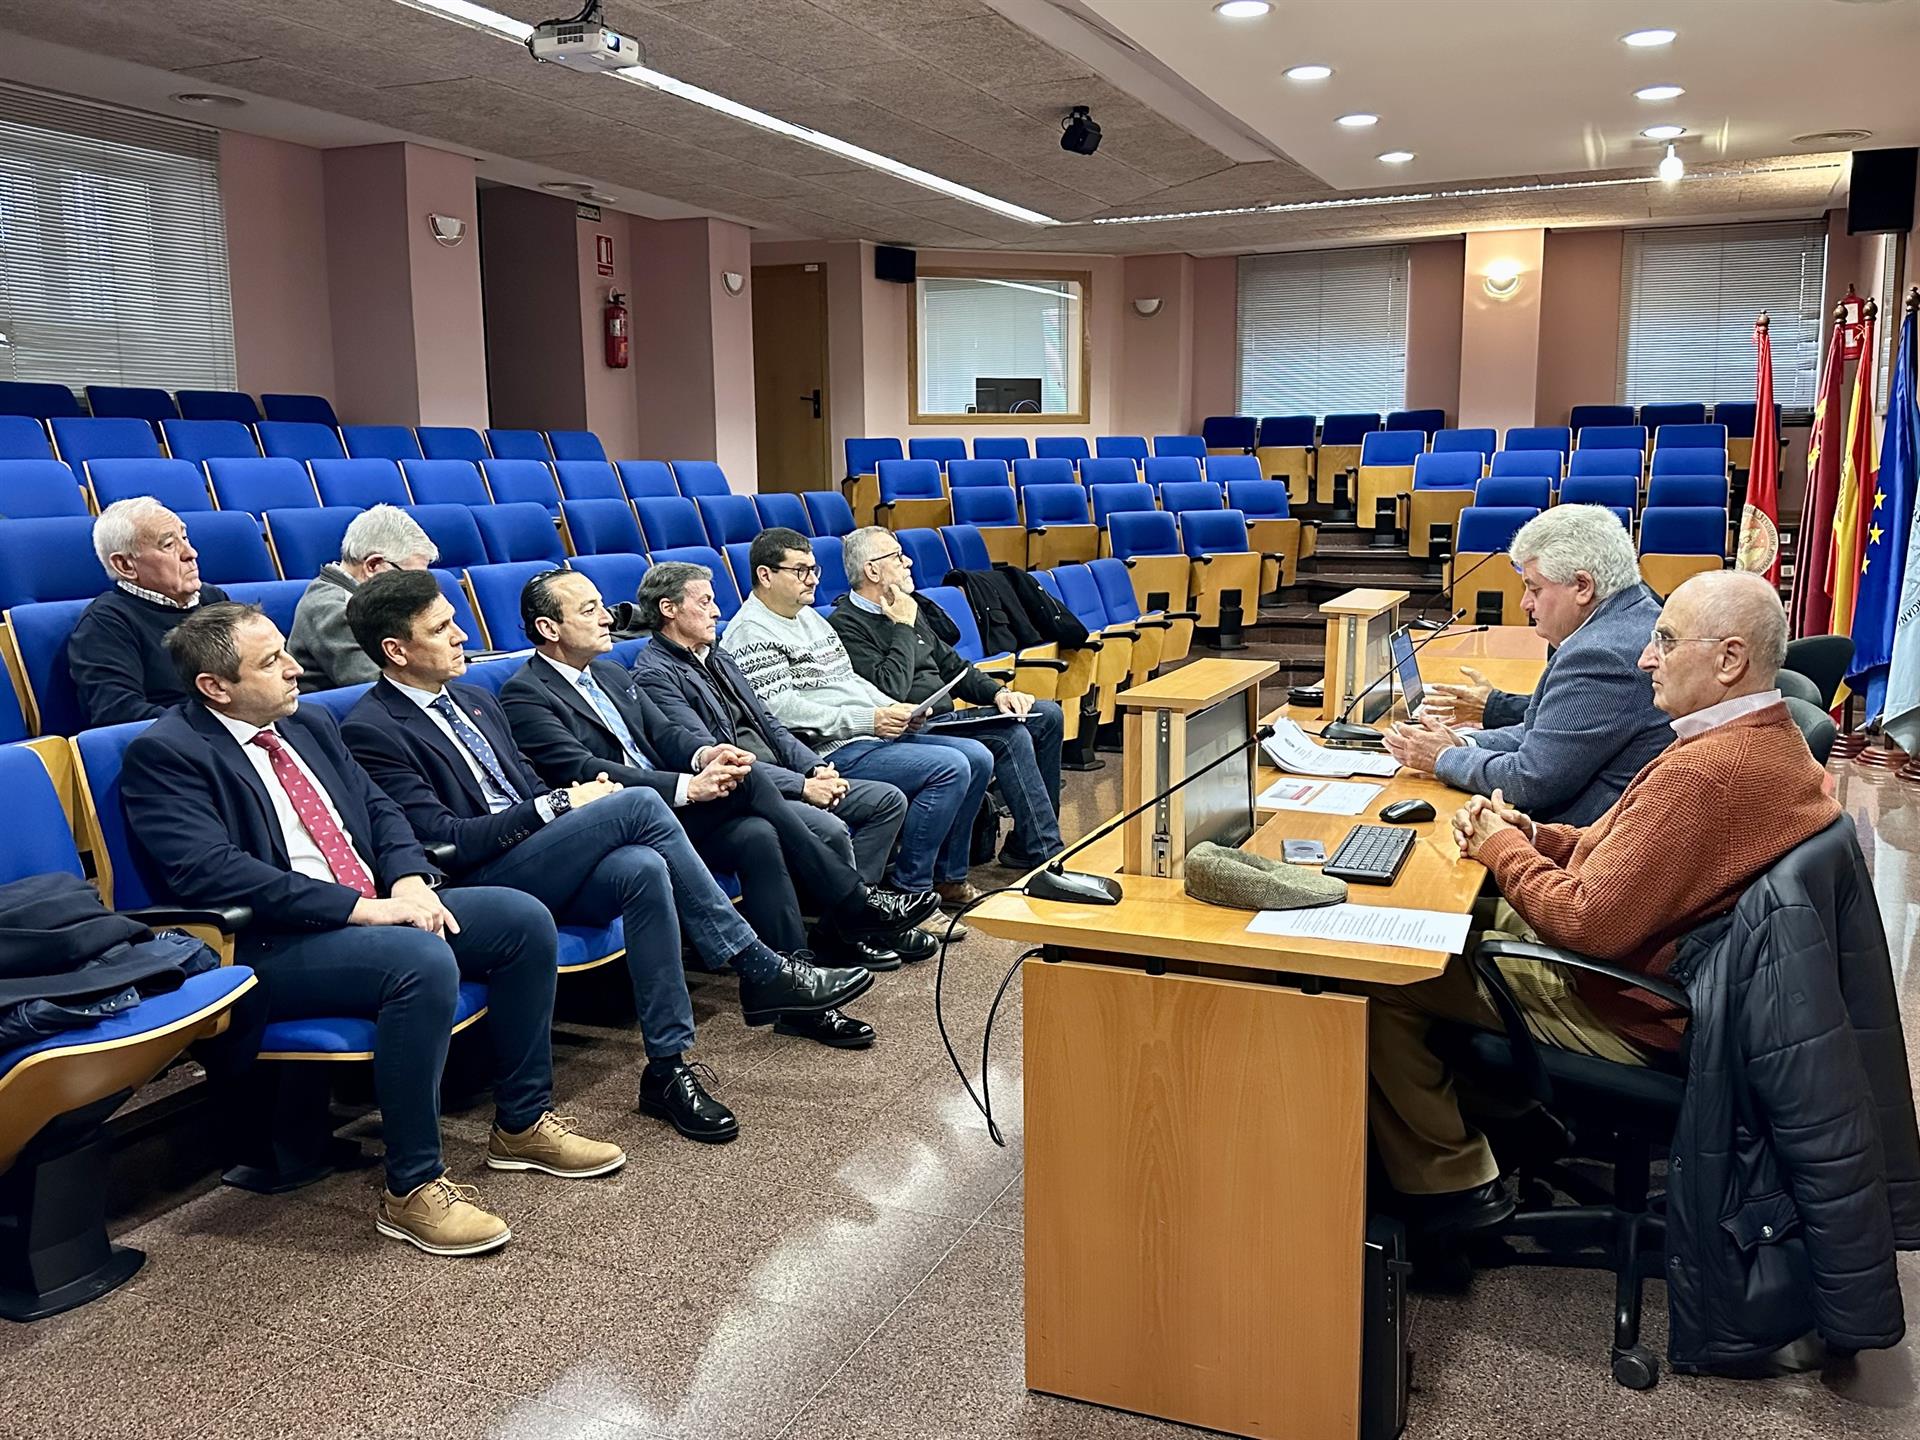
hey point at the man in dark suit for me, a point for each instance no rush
(702, 693)
(241, 797)
(445, 753)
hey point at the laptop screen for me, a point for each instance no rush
(1408, 664)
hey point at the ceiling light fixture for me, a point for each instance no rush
(207, 99)
(1309, 72)
(1664, 132)
(480, 17)
(1659, 92)
(1358, 121)
(1396, 157)
(1672, 167)
(1647, 39)
(1831, 138)
(1242, 9)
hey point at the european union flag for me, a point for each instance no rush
(1889, 523)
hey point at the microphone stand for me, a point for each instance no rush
(1076, 887)
(1340, 733)
(1420, 621)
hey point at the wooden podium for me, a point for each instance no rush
(1358, 624)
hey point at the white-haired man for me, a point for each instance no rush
(117, 653)
(382, 538)
(1591, 723)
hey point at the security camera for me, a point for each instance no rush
(1079, 132)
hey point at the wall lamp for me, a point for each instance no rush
(1501, 278)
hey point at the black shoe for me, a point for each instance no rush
(801, 987)
(674, 1093)
(884, 911)
(829, 1027)
(913, 946)
(1010, 861)
(875, 955)
(1459, 1212)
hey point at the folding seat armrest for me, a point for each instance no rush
(1181, 614)
(212, 925)
(1039, 662)
(1133, 628)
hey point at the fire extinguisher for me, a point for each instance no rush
(616, 330)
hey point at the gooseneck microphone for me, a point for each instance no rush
(1420, 621)
(1339, 732)
(1076, 887)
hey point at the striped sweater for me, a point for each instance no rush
(1699, 823)
(800, 669)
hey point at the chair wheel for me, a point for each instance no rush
(1636, 1368)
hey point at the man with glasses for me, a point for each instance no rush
(797, 665)
(1735, 791)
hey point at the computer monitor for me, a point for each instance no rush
(1407, 665)
(1219, 805)
(1006, 395)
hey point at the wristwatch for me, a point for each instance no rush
(559, 801)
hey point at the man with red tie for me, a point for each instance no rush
(241, 796)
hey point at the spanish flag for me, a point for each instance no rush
(1812, 597)
(1859, 469)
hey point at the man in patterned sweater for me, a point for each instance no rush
(1735, 792)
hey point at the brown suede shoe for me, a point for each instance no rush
(956, 893)
(441, 1218)
(553, 1143)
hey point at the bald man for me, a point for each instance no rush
(1736, 790)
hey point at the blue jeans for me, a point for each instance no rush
(1023, 758)
(625, 854)
(408, 981)
(942, 800)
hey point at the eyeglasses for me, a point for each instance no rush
(890, 555)
(1664, 643)
(805, 572)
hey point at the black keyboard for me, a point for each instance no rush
(1370, 855)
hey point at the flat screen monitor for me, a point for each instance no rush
(1408, 666)
(1219, 805)
(1006, 395)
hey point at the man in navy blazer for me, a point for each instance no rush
(241, 797)
(444, 752)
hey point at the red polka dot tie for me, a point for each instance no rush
(312, 810)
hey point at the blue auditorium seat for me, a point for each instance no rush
(1679, 541)
(943, 450)
(1581, 416)
(616, 577)
(339, 701)
(456, 593)
(1479, 442)
(300, 409)
(830, 512)
(81, 440)
(260, 485)
(1608, 490)
(726, 594)
(453, 532)
(299, 440)
(1260, 499)
(131, 402)
(1425, 421)
(1488, 530)
(492, 675)
(198, 440)
(1690, 412)
(1226, 469)
(1164, 470)
(451, 442)
(953, 600)
(962, 474)
(516, 480)
(910, 493)
(1443, 485)
(1286, 432)
(1182, 496)
(1060, 447)
(1700, 436)
(588, 480)
(576, 445)
(700, 477)
(1739, 417)
(739, 558)
(522, 531)
(670, 524)
(728, 518)
(41, 401)
(1059, 527)
(1534, 492)
(1529, 462)
(445, 482)
(306, 539)
(1152, 532)
(603, 527)
(1540, 437)
(1206, 533)
(1446, 470)
(1696, 490)
(519, 445)
(360, 483)
(830, 556)
(1347, 427)
(965, 547)
(40, 634)
(174, 483)
(625, 652)
(1611, 437)
(230, 545)
(1670, 461)
(1392, 447)
(1606, 461)
(1042, 472)
(1192, 445)
(1229, 432)
(36, 489)
(649, 479)
(986, 507)
(863, 454)
(1111, 499)
(49, 559)
(496, 590)
(235, 405)
(1000, 447)
(380, 442)
(928, 554)
(1121, 447)
(782, 510)
(279, 598)
(22, 438)
(1109, 470)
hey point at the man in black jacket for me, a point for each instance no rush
(893, 648)
(701, 691)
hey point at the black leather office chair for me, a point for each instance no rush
(1795, 686)
(1823, 659)
(1815, 724)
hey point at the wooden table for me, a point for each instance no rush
(1196, 1126)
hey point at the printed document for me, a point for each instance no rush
(1319, 797)
(1368, 925)
(1292, 749)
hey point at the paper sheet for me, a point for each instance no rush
(1319, 797)
(1368, 925)
(1293, 750)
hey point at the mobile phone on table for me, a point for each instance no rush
(1303, 852)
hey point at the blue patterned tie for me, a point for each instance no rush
(615, 722)
(469, 735)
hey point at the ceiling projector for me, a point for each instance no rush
(580, 46)
(1079, 133)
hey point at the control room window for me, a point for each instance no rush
(1009, 348)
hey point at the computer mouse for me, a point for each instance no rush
(1407, 812)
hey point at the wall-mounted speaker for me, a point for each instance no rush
(897, 264)
(1880, 197)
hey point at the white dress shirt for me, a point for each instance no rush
(303, 851)
(681, 784)
(1687, 727)
(496, 801)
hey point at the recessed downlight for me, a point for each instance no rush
(1664, 132)
(1309, 72)
(1647, 39)
(1396, 157)
(1359, 120)
(1833, 137)
(1242, 9)
(1659, 92)
(207, 100)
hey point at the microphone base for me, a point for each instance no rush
(1430, 624)
(1352, 737)
(1073, 887)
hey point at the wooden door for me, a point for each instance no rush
(790, 377)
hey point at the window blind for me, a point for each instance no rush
(1688, 300)
(977, 327)
(113, 251)
(1323, 331)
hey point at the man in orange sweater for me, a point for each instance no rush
(1735, 791)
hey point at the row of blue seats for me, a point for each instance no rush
(1675, 542)
(1596, 488)
(1245, 432)
(44, 400)
(901, 480)
(1387, 447)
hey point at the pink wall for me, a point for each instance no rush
(449, 334)
(1155, 357)
(612, 404)
(1500, 335)
(274, 196)
(1216, 342)
(1435, 273)
(370, 286)
(730, 249)
(1579, 322)
(533, 341)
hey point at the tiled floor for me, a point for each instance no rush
(851, 1267)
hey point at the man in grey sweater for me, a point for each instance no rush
(1591, 723)
(384, 537)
